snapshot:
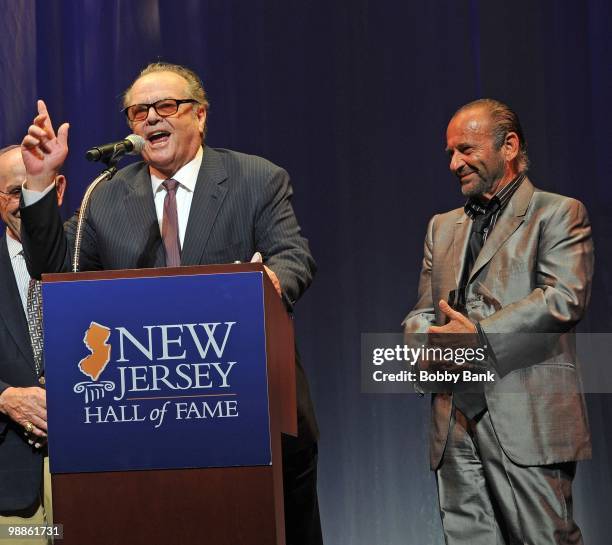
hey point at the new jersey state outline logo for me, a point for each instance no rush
(96, 341)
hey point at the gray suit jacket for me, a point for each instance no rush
(241, 204)
(533, 276)
(21, 465)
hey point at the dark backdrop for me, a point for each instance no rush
(352, 97)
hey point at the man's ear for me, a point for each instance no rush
(60, 188)
(201, 115)
(511, 146)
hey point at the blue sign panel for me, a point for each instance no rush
(154, 373)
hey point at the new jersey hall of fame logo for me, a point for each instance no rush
(165, 371)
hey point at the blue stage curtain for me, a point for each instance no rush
(353, 98)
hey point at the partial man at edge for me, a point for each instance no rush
(25, 485)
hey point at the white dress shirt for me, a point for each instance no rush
(20, 270)
(186, 177)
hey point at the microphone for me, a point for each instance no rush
(130, 145)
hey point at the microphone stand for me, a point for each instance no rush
(106, 174)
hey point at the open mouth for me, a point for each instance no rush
(158, 138)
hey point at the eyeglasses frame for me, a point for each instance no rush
(178, 101)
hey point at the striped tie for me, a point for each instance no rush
(34, 316)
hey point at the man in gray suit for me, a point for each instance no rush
(514, 260)
(186, 204)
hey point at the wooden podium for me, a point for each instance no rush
(205, 505)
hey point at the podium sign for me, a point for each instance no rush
(150, 373)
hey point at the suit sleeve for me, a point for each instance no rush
(563, 274)
(3, 418)
(45, 246)
(422, 315)
(278, 238)
(48, 245)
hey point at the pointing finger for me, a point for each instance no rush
(42, 111)
(42, 107)
(39, 120)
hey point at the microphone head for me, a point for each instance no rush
(137, 142)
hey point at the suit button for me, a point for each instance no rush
(41, 380)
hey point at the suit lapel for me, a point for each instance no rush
(11, 308)
(507, 223)
(207, 200)
(460, 242)
(142, 218)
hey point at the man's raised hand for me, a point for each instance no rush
(43, 151)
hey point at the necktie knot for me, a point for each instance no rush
(170, 185)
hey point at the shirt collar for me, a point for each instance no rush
(505, 193)
(186, 176)
(499, 201)
(14, 246)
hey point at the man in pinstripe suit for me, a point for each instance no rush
(220, 206)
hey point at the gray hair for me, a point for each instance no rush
(194, 83)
